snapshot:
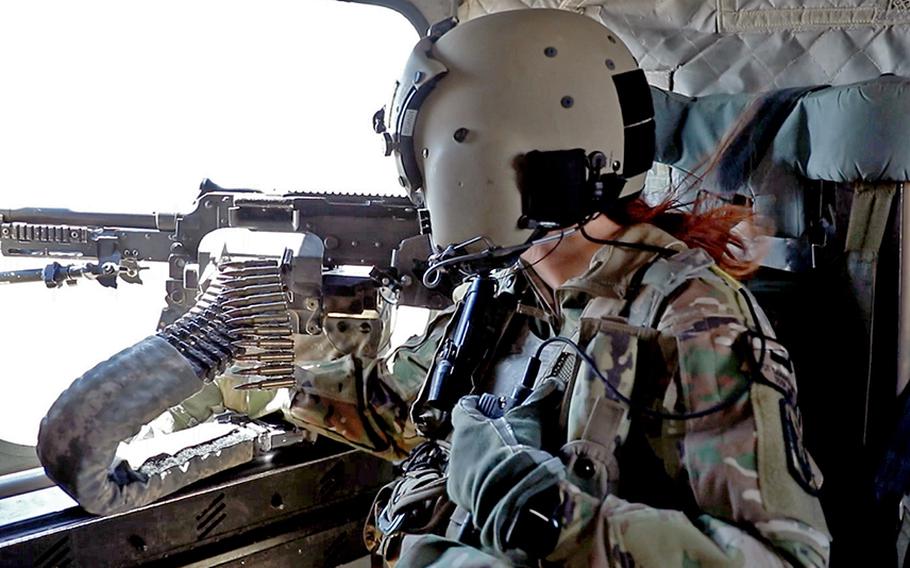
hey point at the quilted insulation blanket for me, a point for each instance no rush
(696, 47)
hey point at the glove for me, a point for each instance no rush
(496, 465)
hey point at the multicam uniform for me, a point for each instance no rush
(732, 488)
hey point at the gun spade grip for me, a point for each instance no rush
(438, 396)
(493, 406)
(462, 353)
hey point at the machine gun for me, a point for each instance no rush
(385, 233)
(246, 271)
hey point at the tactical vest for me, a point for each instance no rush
(622, 336)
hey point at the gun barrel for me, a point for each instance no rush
(17, 276)
(41, 215)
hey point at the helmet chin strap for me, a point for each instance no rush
(486, 259)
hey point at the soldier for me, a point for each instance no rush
(666, 432)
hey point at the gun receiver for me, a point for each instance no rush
(383, 232)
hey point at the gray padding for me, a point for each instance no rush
(850, 133)
(688, 129)
(844, 134)
(80, 434)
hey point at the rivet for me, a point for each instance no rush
(460, 135)
(610, 65)
(611, 39)
(550, 51)
(567, 102)
(426, 152)
(584, 468)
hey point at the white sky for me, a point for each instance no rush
(112, 105)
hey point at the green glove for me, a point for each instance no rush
(496, 465)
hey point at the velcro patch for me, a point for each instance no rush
(798, 460)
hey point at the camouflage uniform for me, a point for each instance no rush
(732, 488)
(346, 393)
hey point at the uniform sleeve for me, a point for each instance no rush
(351, 397)
(366, 403)
(217, 397)
(220, 395)
(751, 478)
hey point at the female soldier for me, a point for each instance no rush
(665, 433)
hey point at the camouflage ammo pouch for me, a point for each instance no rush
(416, 503)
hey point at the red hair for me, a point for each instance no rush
(728, 233)
(731, 234)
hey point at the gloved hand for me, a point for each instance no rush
(496, 465)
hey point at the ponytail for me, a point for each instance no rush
(729, 233)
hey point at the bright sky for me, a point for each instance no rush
(124, 106)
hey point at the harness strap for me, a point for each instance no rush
(869, 217)
(865, 233)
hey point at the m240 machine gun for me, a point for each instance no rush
(247, 271)
(385, 233)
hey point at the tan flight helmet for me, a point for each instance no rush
(479, 97)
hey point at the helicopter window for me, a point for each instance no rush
(113, 106)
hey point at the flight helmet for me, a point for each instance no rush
(517, 123)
